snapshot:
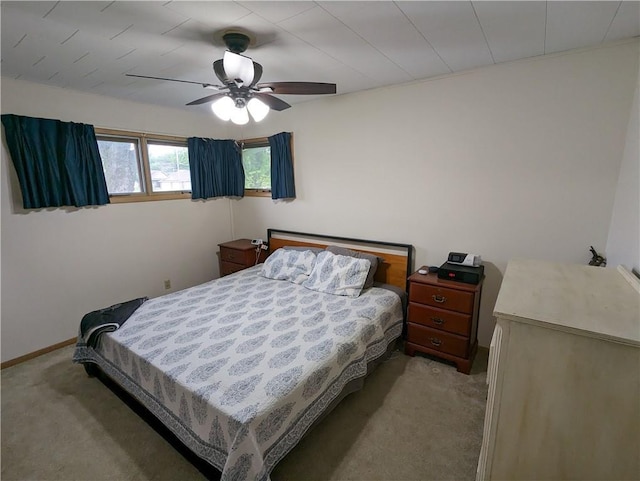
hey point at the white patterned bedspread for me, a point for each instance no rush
(240, 367)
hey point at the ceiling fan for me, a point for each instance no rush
(240, 93)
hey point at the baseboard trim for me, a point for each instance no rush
(39, 352)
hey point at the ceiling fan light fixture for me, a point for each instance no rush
(223, 108)
(238, 67)
(258, 109)
(240, 116)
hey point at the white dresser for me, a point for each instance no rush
(564, 375)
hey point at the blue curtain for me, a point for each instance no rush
(216, 168)
(282, 180)
(58, 163)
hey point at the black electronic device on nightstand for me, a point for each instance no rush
(458, 273)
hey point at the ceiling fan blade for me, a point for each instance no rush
(204, 84)
(273, 102)
(299, 88)
(208, 98)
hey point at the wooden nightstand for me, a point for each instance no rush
(237, 255)
(442, 319)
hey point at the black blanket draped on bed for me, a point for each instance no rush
(107, 320)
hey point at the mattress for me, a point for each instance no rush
(239, 368)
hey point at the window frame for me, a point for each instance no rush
(144, 168)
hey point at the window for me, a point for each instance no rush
(121, 165)
(256, 161)
(169, 165)
(140, 167)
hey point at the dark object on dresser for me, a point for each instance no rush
(597, 259)
(442, 319)
(239, 254)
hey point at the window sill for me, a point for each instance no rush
(126, 198)
(257, 193)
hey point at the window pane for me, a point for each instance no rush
(120, 165)
(257, 167)
(169, 166)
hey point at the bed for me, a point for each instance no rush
(241, 367)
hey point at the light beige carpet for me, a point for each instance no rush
(416, 419)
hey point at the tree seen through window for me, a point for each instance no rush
(120, 164)
(257, 167)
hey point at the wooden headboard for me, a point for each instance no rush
(398, 258)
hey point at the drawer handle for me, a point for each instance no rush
(438, 320)
(435, 341)
(439, 299)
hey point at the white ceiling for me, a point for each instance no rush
(90, 45)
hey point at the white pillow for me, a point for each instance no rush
(289, 265)
(337, 274)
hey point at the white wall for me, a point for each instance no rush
(58, 264)
(623, 244)
(514, 160)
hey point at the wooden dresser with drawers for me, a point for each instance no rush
(442, 319)
(239, 254)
